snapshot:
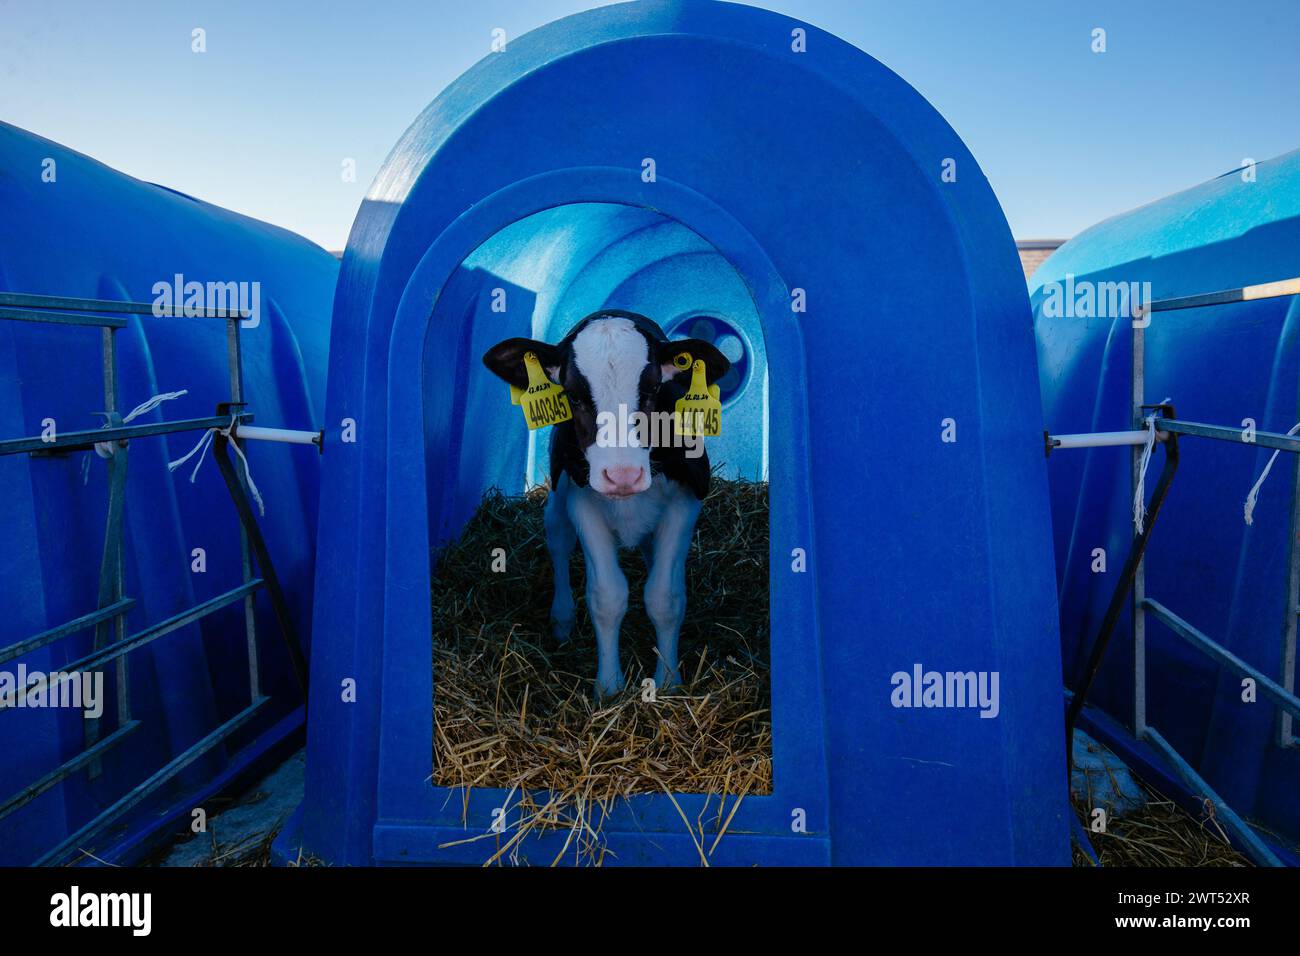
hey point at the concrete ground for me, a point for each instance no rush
(241, 834)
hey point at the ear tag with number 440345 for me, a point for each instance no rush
(544, 402)
(699, 411)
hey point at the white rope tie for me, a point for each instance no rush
(106, 449)
(1140, 494)
(204, 443)
(1253, 498)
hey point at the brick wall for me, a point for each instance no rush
(1034, 251)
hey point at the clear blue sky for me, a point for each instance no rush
(262, 121)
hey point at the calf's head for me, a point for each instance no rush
(611, 365)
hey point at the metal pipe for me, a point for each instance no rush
(235, 358)
(67, 769)
(1137, 618)
(115, 650)
(1253, 845)
(1280, 697)
(289, 435)
(271, 580)
(1098, 439)
(110, 587)
(1117, 599)
(108, 338)
(88, 438)
(1225, 433)
(1285, 735)
(139, 793)
(25, 301)
(63, 630)
(1249, 293)
(63, 318)
(1166, 426)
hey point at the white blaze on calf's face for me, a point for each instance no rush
(612, 355)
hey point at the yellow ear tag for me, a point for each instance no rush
(699, 411)
(544, 403)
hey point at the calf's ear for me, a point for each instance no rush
(506, 360)
(716, 364)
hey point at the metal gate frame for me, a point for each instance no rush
(111, 642)
(1167, 428)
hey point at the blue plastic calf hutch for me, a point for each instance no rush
(721, 166)
(179, 722)
(1216, 603)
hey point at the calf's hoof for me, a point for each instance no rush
(561, 628)
(607, 687)
(562, 616)
(666, 679)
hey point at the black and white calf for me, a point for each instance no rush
(619, 479)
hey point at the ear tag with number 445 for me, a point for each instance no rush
(544, 402)
(699, 411)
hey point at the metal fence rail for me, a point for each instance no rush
(1281, 693)
(111, 644)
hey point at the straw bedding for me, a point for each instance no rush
(1160, 834)
(514, 710)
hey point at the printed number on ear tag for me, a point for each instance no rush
(699, 411)
(544, 403)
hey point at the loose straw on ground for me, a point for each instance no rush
(514, 710)
(1159, 834)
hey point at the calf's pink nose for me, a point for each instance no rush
(624, 478)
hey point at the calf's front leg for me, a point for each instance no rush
(560, 539)
(665, 588)
(606, 591)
